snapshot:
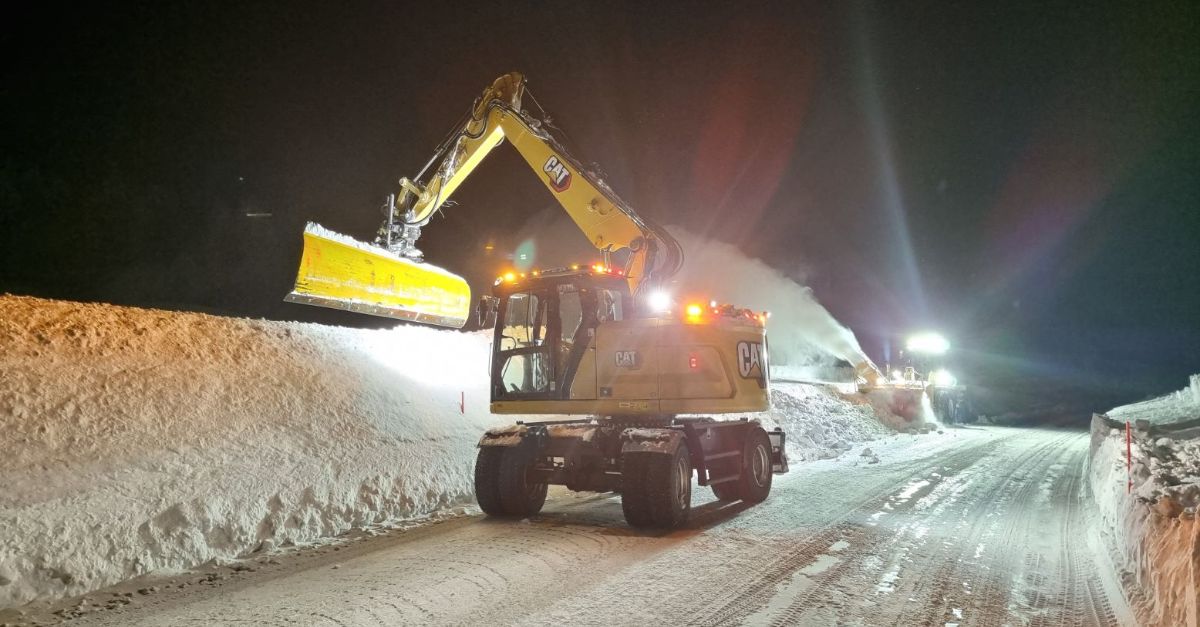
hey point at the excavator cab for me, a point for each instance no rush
(545, 332)
(573, 342)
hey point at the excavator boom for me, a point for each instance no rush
(390, 279)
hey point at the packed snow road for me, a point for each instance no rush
(976, 526)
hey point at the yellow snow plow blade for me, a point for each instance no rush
(339, 272)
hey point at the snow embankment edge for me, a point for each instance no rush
(1154, 542)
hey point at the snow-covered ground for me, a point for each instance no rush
(140, 441)
(973, 526)
(1152, 531)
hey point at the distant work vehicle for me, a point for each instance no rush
(918, 383)
(593, 340)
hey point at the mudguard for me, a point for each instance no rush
(504, 436)
(527, 441)
(662, 441)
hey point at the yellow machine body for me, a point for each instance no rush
(571, 342)
(658, 366)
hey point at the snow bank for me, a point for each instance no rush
(1170, 408)
(138, 440)
(1152, 533)
(837, 375)
(819, 422)
(903, 409)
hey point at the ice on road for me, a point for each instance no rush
(977, 526)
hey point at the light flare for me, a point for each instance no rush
(659, 301)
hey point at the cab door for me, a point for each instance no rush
(523, 364)
(577, 352)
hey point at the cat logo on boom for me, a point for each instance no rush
(560, 176)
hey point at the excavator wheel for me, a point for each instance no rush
(487, 480)
(728, 491)
(755, 484)
(656, 489)
(501, 487)
(755, 467)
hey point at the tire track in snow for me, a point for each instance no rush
(980, 506)
(1083, 589)
(939, 577)
(744, 600)
(954, 519)
(996, 574)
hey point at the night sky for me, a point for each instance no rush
(1023, 178)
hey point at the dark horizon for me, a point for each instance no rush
(1023, 179)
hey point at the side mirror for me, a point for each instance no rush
(485, 311)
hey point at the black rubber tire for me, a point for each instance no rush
(519, 497)
(500, 484)
(755, 484)
(635, 472)
(487, 480)
(729, 490)
(656, 489)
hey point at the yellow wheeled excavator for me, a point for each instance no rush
(601, 342)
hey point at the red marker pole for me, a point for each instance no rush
(1128, 458)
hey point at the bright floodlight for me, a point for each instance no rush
(942, 378)
(928, 343)
(659, 301)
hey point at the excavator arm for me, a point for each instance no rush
(389, 278)
(609, 224)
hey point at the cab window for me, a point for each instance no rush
(524, 322)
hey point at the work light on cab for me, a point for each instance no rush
(659, 301)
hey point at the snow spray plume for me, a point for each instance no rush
(802, 332)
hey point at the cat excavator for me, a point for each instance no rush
(641, 373)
